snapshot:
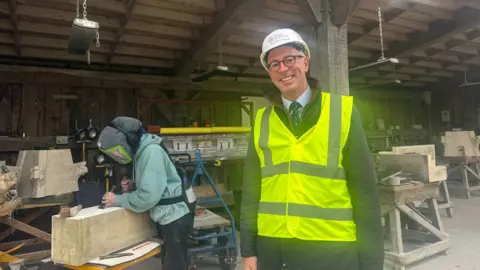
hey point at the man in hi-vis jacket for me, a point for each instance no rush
(310, 198)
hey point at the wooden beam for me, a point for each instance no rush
(130, 4)
(440, 30)
(64, 16)
(14, 22)
(223, 23)
(329, 50)
(15, 73)
(388, 16)
(311, 10)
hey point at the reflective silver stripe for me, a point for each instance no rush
(334, 131)
(271, 170)
(272, 208)
(264, 134)
(304, 168)
(307, 211)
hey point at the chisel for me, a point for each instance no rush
(115, 255)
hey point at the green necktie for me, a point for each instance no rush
(295, 113)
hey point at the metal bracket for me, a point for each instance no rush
(182, 144)
(225, 144)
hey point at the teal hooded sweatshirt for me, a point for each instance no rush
(155, 178)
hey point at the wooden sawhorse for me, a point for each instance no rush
(42, 205)
(469, 168)
(397, 201)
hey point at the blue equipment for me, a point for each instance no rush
(217, 240)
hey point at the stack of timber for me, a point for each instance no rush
(418, 161)
(96, 232)
(47, 172)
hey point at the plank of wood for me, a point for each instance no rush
(26, 228)
(95, 232)
(208, 220)
(25, 220)
(26, 243)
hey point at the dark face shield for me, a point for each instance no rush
(114, 144)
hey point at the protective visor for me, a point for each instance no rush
(114, 144)
(118, 154)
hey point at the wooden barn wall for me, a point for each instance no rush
(222, 114)
(34, 110)
(463, 104)
(397, 108)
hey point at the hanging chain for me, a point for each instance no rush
(78, 9)
(88, 57)
(380, 29)
(98, 39)
(85, 9)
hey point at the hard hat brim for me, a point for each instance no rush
(263, 59)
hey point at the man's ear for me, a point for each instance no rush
(306, 61)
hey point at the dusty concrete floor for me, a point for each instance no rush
(464, 230)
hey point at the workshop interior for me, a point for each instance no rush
(190, 72)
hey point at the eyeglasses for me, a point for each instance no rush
(288, 61)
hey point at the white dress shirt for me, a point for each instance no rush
(303, 100)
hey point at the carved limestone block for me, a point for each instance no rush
(48, 172)
(94, 232)
(460, 144)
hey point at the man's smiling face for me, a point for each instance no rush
(291, 81)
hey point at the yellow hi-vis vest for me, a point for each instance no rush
(304, 192)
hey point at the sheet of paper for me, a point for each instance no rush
(138, 251)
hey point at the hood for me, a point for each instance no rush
(146, 140)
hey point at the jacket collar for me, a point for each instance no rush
(275, 98)
(303, 99)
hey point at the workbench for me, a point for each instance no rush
(205, 219)
(469, 169)
(41, 205)
(140, 252)
(408, 245)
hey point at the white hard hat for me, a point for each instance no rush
(281, 37)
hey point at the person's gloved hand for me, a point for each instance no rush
(127, 185)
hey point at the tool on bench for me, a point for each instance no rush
(102, 205)
(140, 246)
(115, 255)
(5, 169)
